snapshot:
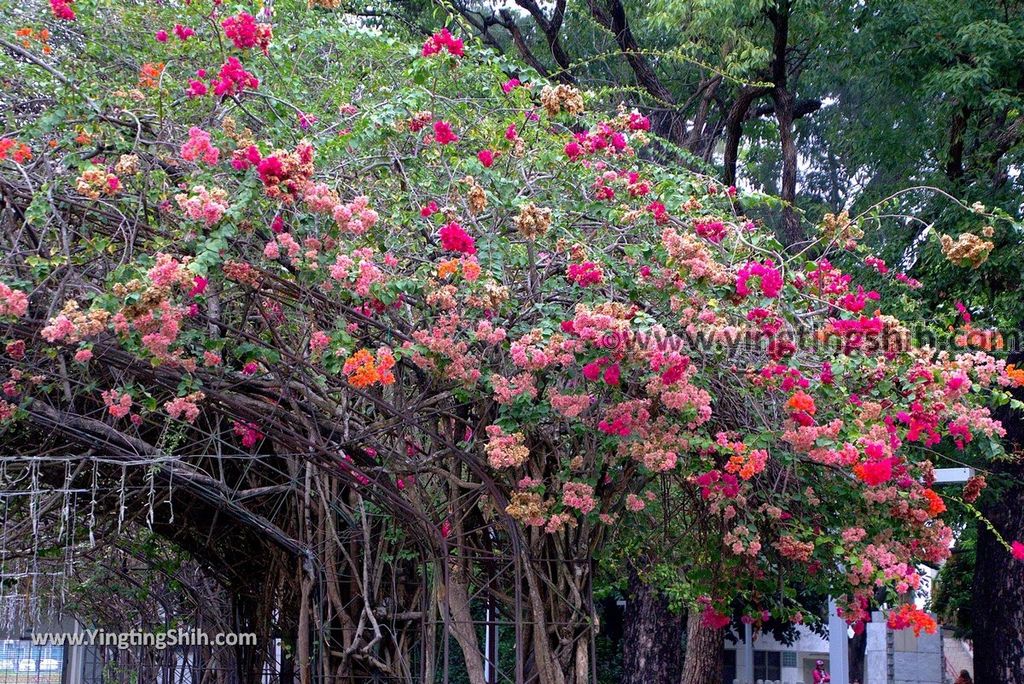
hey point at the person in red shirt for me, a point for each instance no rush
(821, 676)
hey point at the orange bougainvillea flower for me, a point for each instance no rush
(936, 506)
(801, 401)
(909, 616)
(1015, 374)
(360, 369)
(27, 34)
(149, 74)
(747, 466)
(447, 268)
(363, 371)
(985, 339)
(17, 151)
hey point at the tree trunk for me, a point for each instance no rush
(734, 130)
(998, 619)
(653, 637)
(782, 95)
(462, 626)
(857, 650)
(792, 232)
(703, 663)
(998, 614)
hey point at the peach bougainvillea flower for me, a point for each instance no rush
(149, 74)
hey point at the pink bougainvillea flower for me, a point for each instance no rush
(198, 286)
(62, 9)
(196, 88)
(612, 374)
(713, 231)
(639, 122)
(713, 619)
(198, 147)
(233, 79)
(455, 239)
(585, 274)
(243, 30)
(443, 40)
(486, 158)
(766, 276)
(161, 36)
(429, 209)
(874, 473)
(183, 32)
(443, 133)
(1017, 549)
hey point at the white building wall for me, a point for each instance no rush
(807, 647)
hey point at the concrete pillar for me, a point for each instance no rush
(748, 654)
(73, 660)
(838, 647)
(876, 655)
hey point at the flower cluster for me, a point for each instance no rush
(909, 616)
(199, 147)
(12, 302)
(562, 98)
(355, 217)
(232, 80)
(202, 204)
(579, 495)
(62, 9)
(363, 370)
(248, 433)
(17, 151)
(185, 408)
(585, 274)
(967, 250)
(455, 239)
(27, 35)
(150, 74)
(243, 30)
(119, 404)
(443, 40)
(764, 275)
(504, 450)
(285, 175)
(96, 181)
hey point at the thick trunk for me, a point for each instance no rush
(462, 626)
(734, 130)
(785, 113)
(791, 232)
(703, 662)
(653, 637)
(998, 614)
(998, 619)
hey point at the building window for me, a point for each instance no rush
(767, 665)
(728, 666)
(789, 659)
